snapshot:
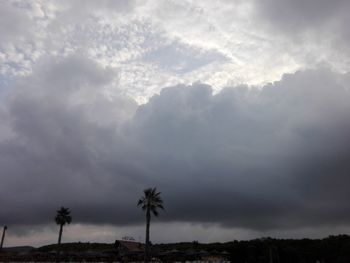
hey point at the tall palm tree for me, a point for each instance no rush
(150, 202)
(62, 217)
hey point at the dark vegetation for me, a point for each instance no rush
(77, 247)
(334, 249)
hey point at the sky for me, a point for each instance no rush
(237, 111)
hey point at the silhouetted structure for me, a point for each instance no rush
(129, 250)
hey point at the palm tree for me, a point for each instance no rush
(150, 202)
(62, 217)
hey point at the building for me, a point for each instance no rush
(129, 250)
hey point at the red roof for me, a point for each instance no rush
(130, 245)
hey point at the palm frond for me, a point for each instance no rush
(151, 200)
(63, 216)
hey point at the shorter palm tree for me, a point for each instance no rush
(62, 217)
(150, 202)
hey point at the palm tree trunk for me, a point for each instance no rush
(60, 234)
(59, 243)
(148, 220)
(3, 237)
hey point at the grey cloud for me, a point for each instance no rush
(243, 157)
(79, 9)
(14, 23)
(107, 5)
(326, 20)
(56, 122)
(302, 14)
(275, 158)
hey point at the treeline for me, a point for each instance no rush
(77, 247)
(334, 249)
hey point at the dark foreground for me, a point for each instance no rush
(334, 249)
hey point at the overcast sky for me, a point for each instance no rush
(237, 111)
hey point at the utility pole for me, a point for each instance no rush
(3, 237)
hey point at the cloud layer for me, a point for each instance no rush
(99, 101)
(152, 45)
(275, 158)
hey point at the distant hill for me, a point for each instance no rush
(18, 250)
(77, 247)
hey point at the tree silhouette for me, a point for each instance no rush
(62, 217)
(150, 202)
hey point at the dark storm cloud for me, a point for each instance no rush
(60, 128)
(252, 159)
(270, 159)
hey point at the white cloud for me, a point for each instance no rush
(157, 44)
